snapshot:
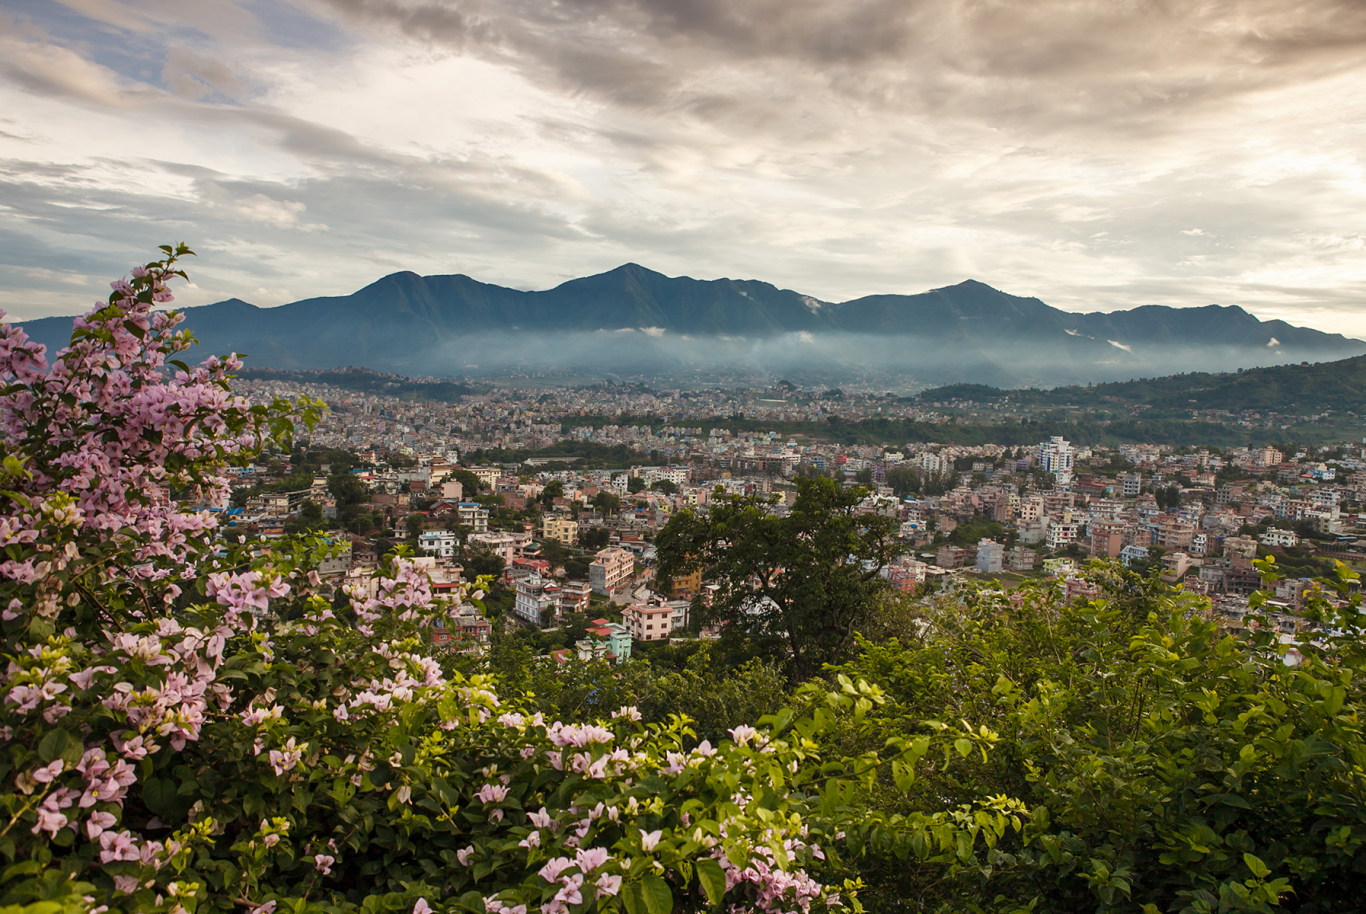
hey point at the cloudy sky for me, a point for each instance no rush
(1099, 154)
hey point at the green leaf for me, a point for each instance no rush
(160, 795)
(54, 745)
(964, 746)
(634, 898)
(713, 880)
(658, 898)
(1255, 864)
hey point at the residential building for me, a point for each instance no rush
(1130, 554)
(1055, 456)
(1281, 538)
(905, 574)
(649, 621)
(1061, 534)
(1174, 534)
(561, 529)
(440, 543)
(538, 600)
(1021, 558)
(989, 556)
(1107, 538)
(474, 515)
(608, 641)
(611, 570)
(947, 556)
(575, 596)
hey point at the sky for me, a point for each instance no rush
(1098, 154)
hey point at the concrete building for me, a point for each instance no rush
(1055, 456)
(1021, 559)
(649, 621)
(1107, 538)
(608, 641)
(538, 600)
(1060, 534)
(989, 556)
(561, 529)
(947, 556)
(474, 515)
(1281, 538)
(611, 570)
(440, 543)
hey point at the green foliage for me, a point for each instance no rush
(972, 531)
(308, 519)
(796, 586)
(348, 489)
(470, 484)
(595, 538)
(553, 490)
(1165, 764)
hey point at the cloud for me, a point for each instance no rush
(194, 76)
(1063, 148)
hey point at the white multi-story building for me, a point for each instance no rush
(536, 595)
(1282, 538)
(1060, 534)
(989, 556)
(474, 516)
(440, 543)
(1055, 456)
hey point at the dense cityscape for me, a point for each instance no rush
(560, 494)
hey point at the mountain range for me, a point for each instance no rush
(635, 322)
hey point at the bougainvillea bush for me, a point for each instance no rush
(192, 722)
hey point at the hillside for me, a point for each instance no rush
(1339, 386)
(632, 321)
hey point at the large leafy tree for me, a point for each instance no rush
(797, 582)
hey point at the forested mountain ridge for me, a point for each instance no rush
(635, 321)
(1339, 386)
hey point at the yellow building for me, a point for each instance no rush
(563, 529)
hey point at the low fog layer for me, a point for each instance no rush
(900, 361)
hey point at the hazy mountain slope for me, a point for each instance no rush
(452, 324)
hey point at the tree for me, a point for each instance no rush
(348, 489)
(308, 518)
(481, 564)
(470, 484)
(635, 484)
(1169, 765)
(553, 490)
(665, 486)
(595, 538)
(799, 585)
(606, 502)
(415, 524)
